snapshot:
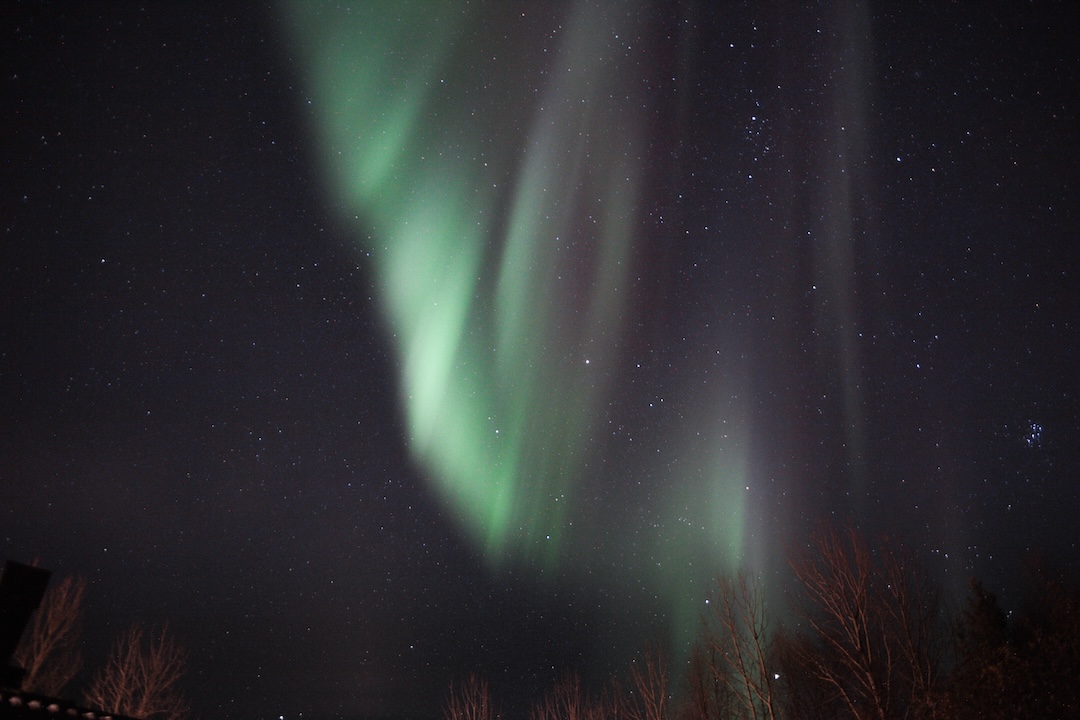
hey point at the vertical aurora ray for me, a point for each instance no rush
(703, 506)
(847, 219)
(501, 226)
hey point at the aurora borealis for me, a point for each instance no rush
(499, 203)
(372, 344)
(495, 367)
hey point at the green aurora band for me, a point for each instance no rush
(493, 166)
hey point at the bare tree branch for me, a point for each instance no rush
(142, 679)
(733, 668)
(649, 692)
(873, 628)
(49, 651)
(567, 701)
(469, 700)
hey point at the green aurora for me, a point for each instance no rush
(494, 180)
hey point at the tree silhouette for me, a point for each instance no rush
(1032, 663)
(142, 677)
(730, 669)
(985, 662)
(48, 651)
(469, 700)
(871, 631)
(649, 693)
(567, 701)
(1048, 640)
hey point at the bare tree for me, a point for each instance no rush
(710, 697)
(872, 617)
(1030, 659)
(567, 701)
(731, 671)
(469, 700)
(649, 693)
(804, 695)
(912, 604)
(737, 645)
(49, 650)
(142, 678)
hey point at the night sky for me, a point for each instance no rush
(372, 345)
